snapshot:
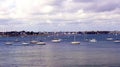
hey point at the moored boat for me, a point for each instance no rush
(75, 42)
(41, 43)
(8, 43)
(56, 40)
(25, 43)
(33, 41)
(116, 41)
(109, 38)
(93, 40)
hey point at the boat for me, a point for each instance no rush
(16, 40)
(8, 43)
(93, 40)
(25, 43)
(41, 43)
(56, 40)
(75, 42)
(109, 38)
(86, 39)
(117, 41)
(33, 41)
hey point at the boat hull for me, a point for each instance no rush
(41, 43)
(117, 41)
(56, 41)
(25, 43)
(8, 43)
(75, 42)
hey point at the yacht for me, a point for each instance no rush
(75, 42)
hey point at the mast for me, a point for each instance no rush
(75, 36)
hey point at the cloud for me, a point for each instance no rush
(78, 14)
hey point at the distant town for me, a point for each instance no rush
(31, 33)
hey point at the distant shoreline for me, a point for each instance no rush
(26, 33)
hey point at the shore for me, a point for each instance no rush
(31, 33)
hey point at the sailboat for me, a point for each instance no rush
(33, 41)
(16, 40)
(8, 43)
(117, 40)
(24, 42)
(85, 37)
(93, 40)
(75, 42)
(56, 40)
(40, 42)
(109, 38)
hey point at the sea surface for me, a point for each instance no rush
(103, 53)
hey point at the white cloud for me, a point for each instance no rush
(33, 12)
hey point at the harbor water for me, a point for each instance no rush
(102, 53)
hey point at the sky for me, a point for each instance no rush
(59, 15)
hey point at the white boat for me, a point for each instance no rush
(75, 42)
(117, 41)
(16, 40)
(41, 43)
(109, 38)
(33, 41)
(93, 40)
(25, 43)
(86, 39)
(56, 40)
(8, 43)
